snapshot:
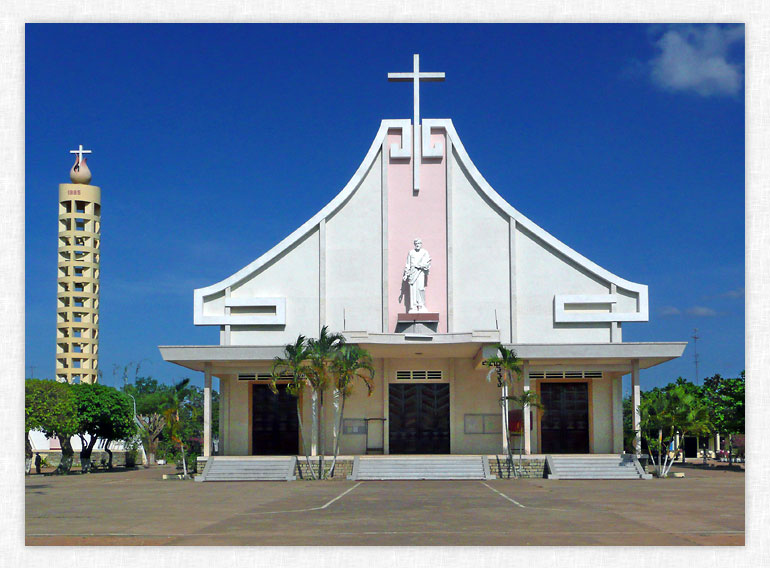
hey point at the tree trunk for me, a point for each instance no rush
(302, 440)
(730, 450)
(109, 453)
(184, 460)
(85, 453)
(67, 453)
(684, 457)
(337, 439)
(660, 449)
(321, 437)
(27, 453)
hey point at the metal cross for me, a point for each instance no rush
(80, 152)
(415, 76)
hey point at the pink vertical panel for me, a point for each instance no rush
(422, 215)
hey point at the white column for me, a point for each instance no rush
(222, 416)
(635, 401)
(617, 413)
(717, 443)
(504, 411)
(527, 433)
(314, 425)
(207, 410)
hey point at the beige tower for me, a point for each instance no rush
(77, 306)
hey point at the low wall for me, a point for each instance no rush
(342, 469)
(529, 468)
(53, 457)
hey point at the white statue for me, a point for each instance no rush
(417, 267)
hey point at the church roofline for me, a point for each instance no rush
(355, 181)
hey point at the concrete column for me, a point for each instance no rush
(717, 443)
(504, 411)
(617, 413)
(314, 425)
(207, 410)
(527, 432)
(222, 417)
(635, 401)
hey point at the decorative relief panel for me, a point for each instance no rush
(431, 150)
(405, 149)
(247, 311)
(587, 308)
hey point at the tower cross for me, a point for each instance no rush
(416, 76)
(80, 153)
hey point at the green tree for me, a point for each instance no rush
(656, 413)
(321, 352)
(50, 407)
(293, 366)
(727, 400)
(506, 367)
(691, 414)
(675, 408)
(351, 362)
(174, 404)
(150, 398)
(102, 412)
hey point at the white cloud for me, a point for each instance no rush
(667, 311)
(701, 311)
(696, 58)
(737, 293)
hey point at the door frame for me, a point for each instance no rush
(590, 410)
(418, 383)
(250, 396)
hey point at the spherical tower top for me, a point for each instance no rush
(80, 172)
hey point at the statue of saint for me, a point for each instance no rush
(417, 267)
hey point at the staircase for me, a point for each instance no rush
(224, 468)
(420, 467)
(623, 466)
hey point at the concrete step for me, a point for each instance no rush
(579, 467)
(471, 467)
(223, 469)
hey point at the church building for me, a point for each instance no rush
(422, 263)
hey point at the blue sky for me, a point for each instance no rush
(213, 142)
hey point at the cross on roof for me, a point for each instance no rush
(80, 153)
(415, 76)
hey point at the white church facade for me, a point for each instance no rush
(428, 312)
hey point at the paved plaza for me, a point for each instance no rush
(137, 507)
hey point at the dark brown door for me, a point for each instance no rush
(274, 427)
(418, 418)
(564, 426)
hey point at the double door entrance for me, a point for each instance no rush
(274, 426)
(418, 418)
(564, 426)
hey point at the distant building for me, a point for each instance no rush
(77, 297)
(430, 313)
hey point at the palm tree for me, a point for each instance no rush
(351, 362)
(691, 414)
(526, 400)
(294, 367)
(657, 412)
(321, 352)
(175, 401)
(507, 368)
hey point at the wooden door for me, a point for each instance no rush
(418, 418)
(564, 426)
(274, 426)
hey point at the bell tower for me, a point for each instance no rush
(77, 298)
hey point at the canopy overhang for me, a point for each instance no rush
(477, 345)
